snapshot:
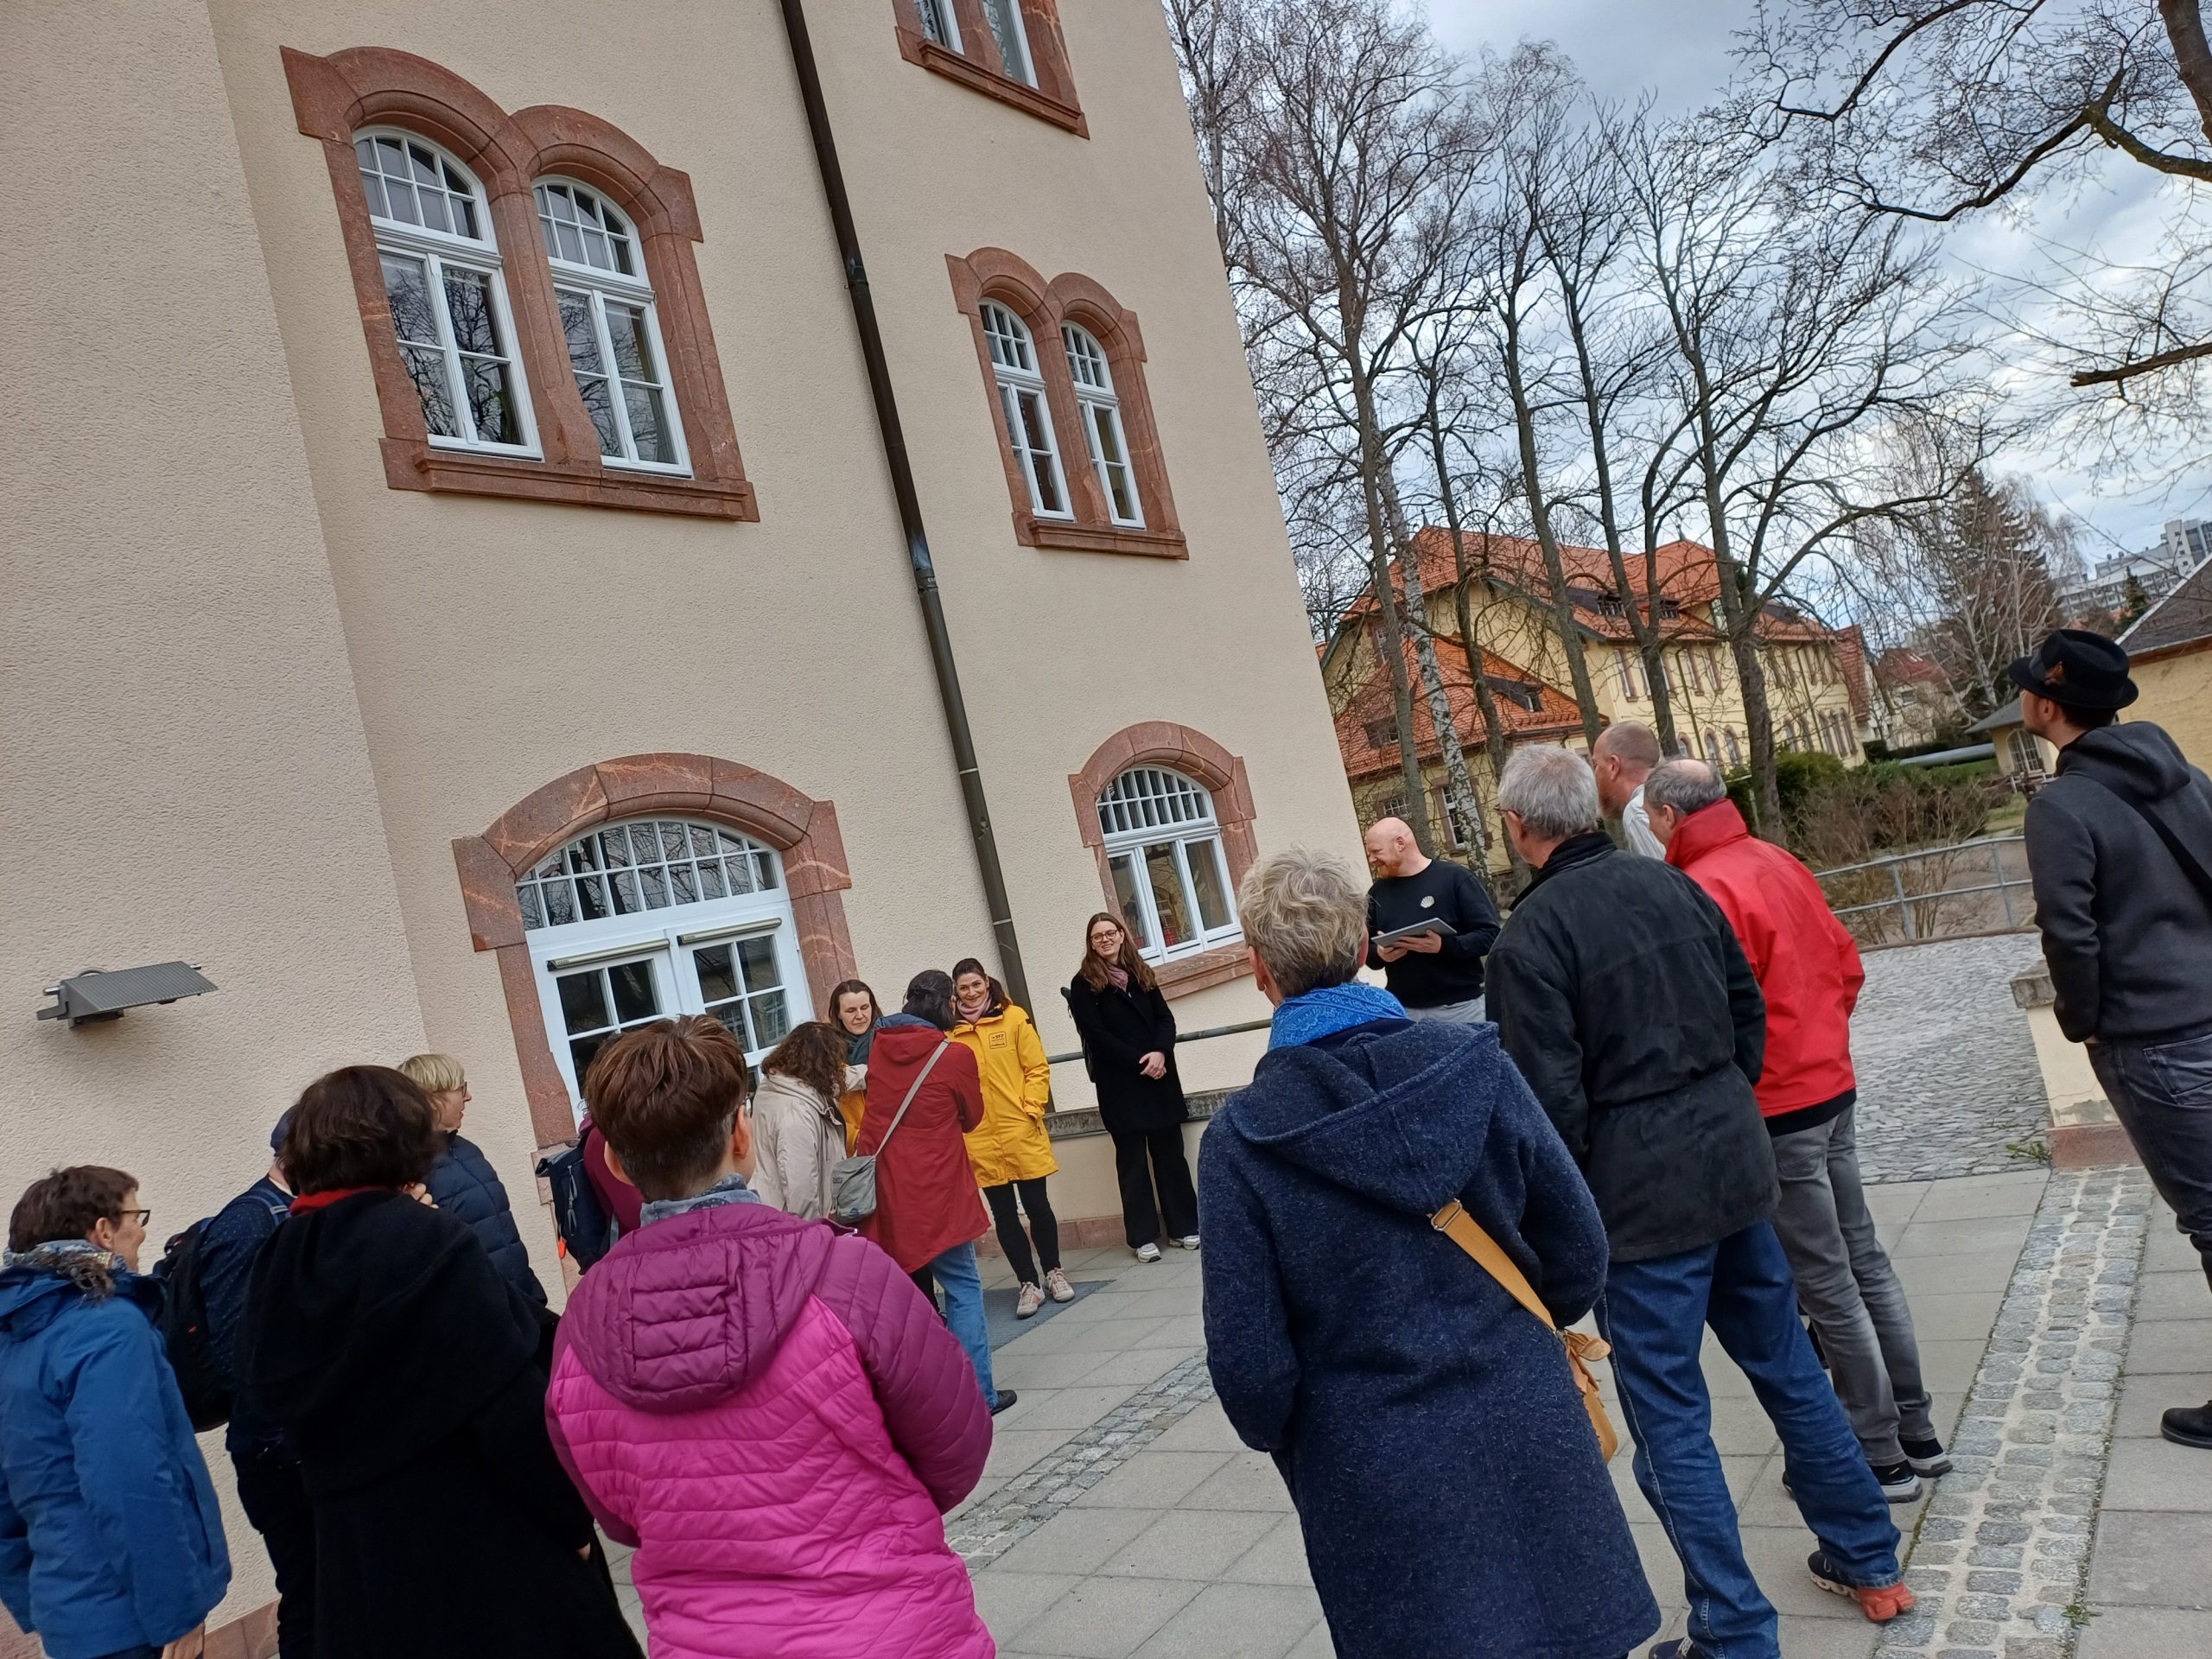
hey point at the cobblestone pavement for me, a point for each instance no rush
(2002, 1556)
(1946, 1075)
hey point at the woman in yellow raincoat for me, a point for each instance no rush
(1009, 1150)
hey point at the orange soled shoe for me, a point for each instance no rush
(1881, 1605)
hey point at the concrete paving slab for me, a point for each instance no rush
(2143, 1400)
(1976, 1196)
(1248, 1481)
(2164, 1346)
(2152, 1557)
(1206, 1429)
(1278, 1557)
(1008, 1601)
(1153, 1480)
(2174, 1295)
(1190, 1543)
(1986, 1233)
(1106, 1618)
(2146, 1633)
(1076, 1541)
(1237, 1621)
(2147, 1474)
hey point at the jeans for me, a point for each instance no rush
(1037, 1205)
(1654, 1313)
(275, 1499)
(956, 1273)
(2162, 1093)
(1141, 1158)
(1469, 1012)
(1848, 1289)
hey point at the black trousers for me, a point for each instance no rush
(1042, 1222)
(1161, 1148)
(276, 1501)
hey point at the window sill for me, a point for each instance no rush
(411, 466)
(1069, 537)
(954, 66)
(1206, 968)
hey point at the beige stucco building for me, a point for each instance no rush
(443, 434)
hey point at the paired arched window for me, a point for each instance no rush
(1024, 402)
(650, 918)
(1100, 411)
(445, 292)
(1163, 846)
(608, 322)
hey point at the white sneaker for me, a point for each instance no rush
(1148, 1252)
(1189, 1240)
(1027, 1304)
(1057, 1287)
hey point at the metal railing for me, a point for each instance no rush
(1182, 1037)
(1925, 910)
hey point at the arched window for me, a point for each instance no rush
(1100, 411)
(1170, 877)
(610, 327)
(1735, 749)
(641, 920)
(1712, 749)
(1028, 421)
(449, 302)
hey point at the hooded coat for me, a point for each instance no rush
(110, 1535)
(1804, 959)
(1010, 1144)
(404, 1372)
(1451, 1494)
(2127, 935)
(798, 1136)
(926, 1196)
(777, 1418)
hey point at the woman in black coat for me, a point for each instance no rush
(1128, 1046)
(404, 1372)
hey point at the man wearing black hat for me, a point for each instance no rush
(2119, 847)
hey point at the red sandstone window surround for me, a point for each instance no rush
(1178, 748)
(1062, 365)
(596, 369)
(1011, 50)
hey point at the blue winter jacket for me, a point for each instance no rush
(464, 1184)
(110, 1536)
(1451, 1494)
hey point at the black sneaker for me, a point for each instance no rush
(1898, 1481)
(2188, 1426)
(1680, 1647)
(1007, 1397)
(1927, 1457)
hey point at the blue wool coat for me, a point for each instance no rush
(464, 1184)
(1449, 1487)
(110, 1535)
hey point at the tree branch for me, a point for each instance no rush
(2192, 55)
(2151, 364)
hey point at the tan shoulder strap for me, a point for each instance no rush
(1463, 1230)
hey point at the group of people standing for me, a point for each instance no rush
(774, 1411)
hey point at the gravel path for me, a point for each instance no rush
(1947, 1073)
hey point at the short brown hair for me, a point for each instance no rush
(361, 1126)
(665, 1096)
(67, 1203)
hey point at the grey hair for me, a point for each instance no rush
(1552, 790)
(1685, 786)
(1307, 916)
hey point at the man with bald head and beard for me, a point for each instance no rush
(1436, 975)
(1623, 758)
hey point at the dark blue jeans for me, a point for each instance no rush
(1655, 1314)
(2162, 1094)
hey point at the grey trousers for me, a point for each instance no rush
(1848, 1289)
(2162, 1094)
(1469, 1012)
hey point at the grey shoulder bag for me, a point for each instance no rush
(852, 1180)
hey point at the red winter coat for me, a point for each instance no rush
(926, 1200)
(1807, 966)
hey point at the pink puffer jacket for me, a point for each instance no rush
(777, 1418)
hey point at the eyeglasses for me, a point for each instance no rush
(142, 1216)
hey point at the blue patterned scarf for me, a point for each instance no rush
(1318, 1013)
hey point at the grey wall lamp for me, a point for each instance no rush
(103, 995)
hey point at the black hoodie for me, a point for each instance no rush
(2126, 932)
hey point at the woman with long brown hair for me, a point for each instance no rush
(853, 1010)
(797, 1133)
(1129, 1047)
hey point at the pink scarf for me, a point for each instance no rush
(1120, 976)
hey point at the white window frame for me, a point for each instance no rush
(1026, 71)
(666, 939)
(945, 15)
(479, 256)
(1098, 410)
(598, 288)
(1017, 375)
(1167, 810)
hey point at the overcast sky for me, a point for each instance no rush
(1679, 50)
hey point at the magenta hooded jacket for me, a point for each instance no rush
(776, 1417)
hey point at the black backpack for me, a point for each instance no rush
(184, 1331)
(587, 1230)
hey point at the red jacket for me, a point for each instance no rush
(1807, 965)
(926, 1200)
